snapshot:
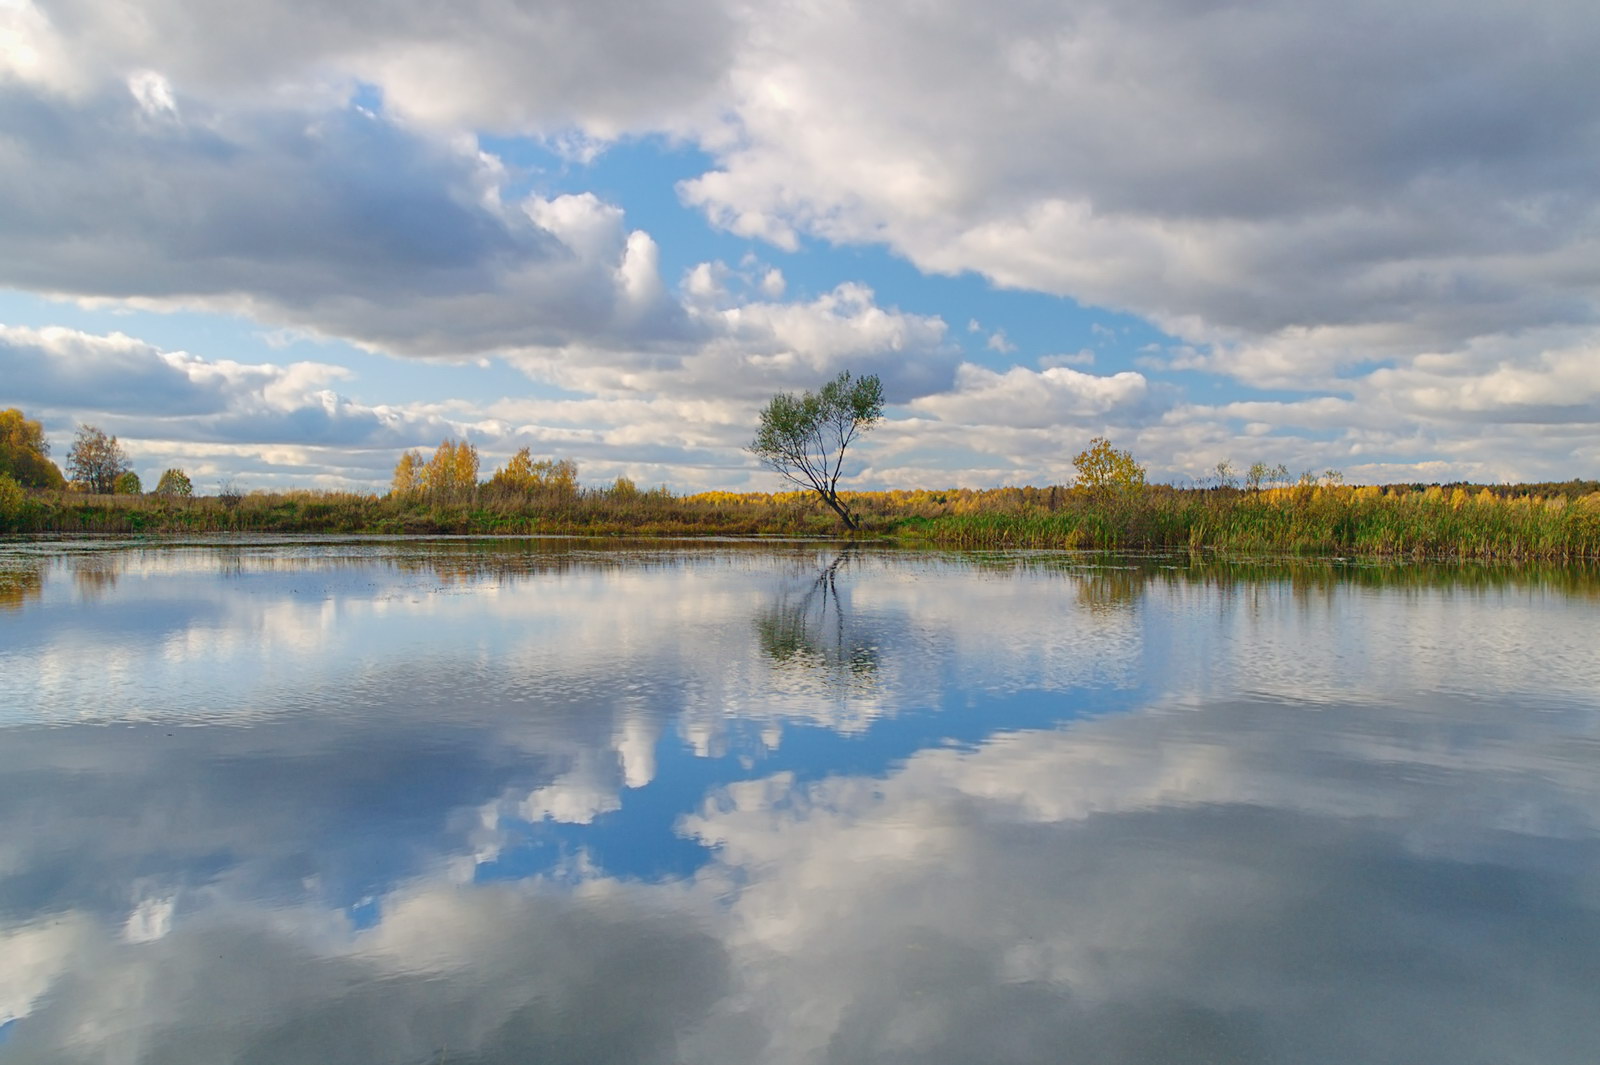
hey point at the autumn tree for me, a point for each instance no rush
(1105, 471)
(523, 475)
(452, 472)
(128, 484)
(407, 480)
(805, 437)
(174, 482)
(96, 461)
(25, 453)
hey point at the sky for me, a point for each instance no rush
(276, 245)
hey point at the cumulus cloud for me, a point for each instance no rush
(1240, 189)
(1239, 186)
(1055, 396)
(325, 219)
(174, 408)
(1310, 200)
(1300, 220)
(604, 67)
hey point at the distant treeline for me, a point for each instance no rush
(1460, 521)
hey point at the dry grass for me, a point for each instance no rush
(1308, 519)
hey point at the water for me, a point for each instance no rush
(476, 801)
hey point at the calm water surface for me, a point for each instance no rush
(518, 801)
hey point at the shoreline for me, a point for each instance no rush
(1303, 522)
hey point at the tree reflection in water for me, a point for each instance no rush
(20, 585)
(96, 574)
(813, 629)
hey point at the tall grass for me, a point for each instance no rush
(1304, 520)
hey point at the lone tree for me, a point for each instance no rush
(97, 460)
(1105, 471)
(174, 482)
(805, 437)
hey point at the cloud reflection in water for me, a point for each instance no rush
(732, 805)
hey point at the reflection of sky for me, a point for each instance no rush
(930, 810)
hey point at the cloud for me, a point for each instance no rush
(657, 417)
(1038, 399)
(328, 220)
(1238, 189)
(749, 350)
(1082, 357)
(997, 342)
(138, 389)
(599, 66)
(1336, 204)
(1240, 192)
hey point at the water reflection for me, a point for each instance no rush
(545, 801)
(20, 583)
(812, 628)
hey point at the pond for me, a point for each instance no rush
(485, 801)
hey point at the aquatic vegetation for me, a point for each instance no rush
(1467, 522)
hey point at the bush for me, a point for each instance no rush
(11, 496)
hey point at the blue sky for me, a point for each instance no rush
(280, 248)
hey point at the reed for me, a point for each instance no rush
(1399, 522)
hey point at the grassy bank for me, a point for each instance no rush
(1467, 523)
(1432, 523)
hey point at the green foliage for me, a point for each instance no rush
(128, 484)
(624, 489)
(11, 499)
(96, 461)
(805, 437)
(1105, 471)
(24, 453)
(1263, 476)
(175, 483)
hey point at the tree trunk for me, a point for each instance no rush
(832, 500)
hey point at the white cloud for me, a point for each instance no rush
(317, 218)
(1382, 224)
(773, 284)
(1083, 357)
(1039, 399)
(998, 342)
(128, 382)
